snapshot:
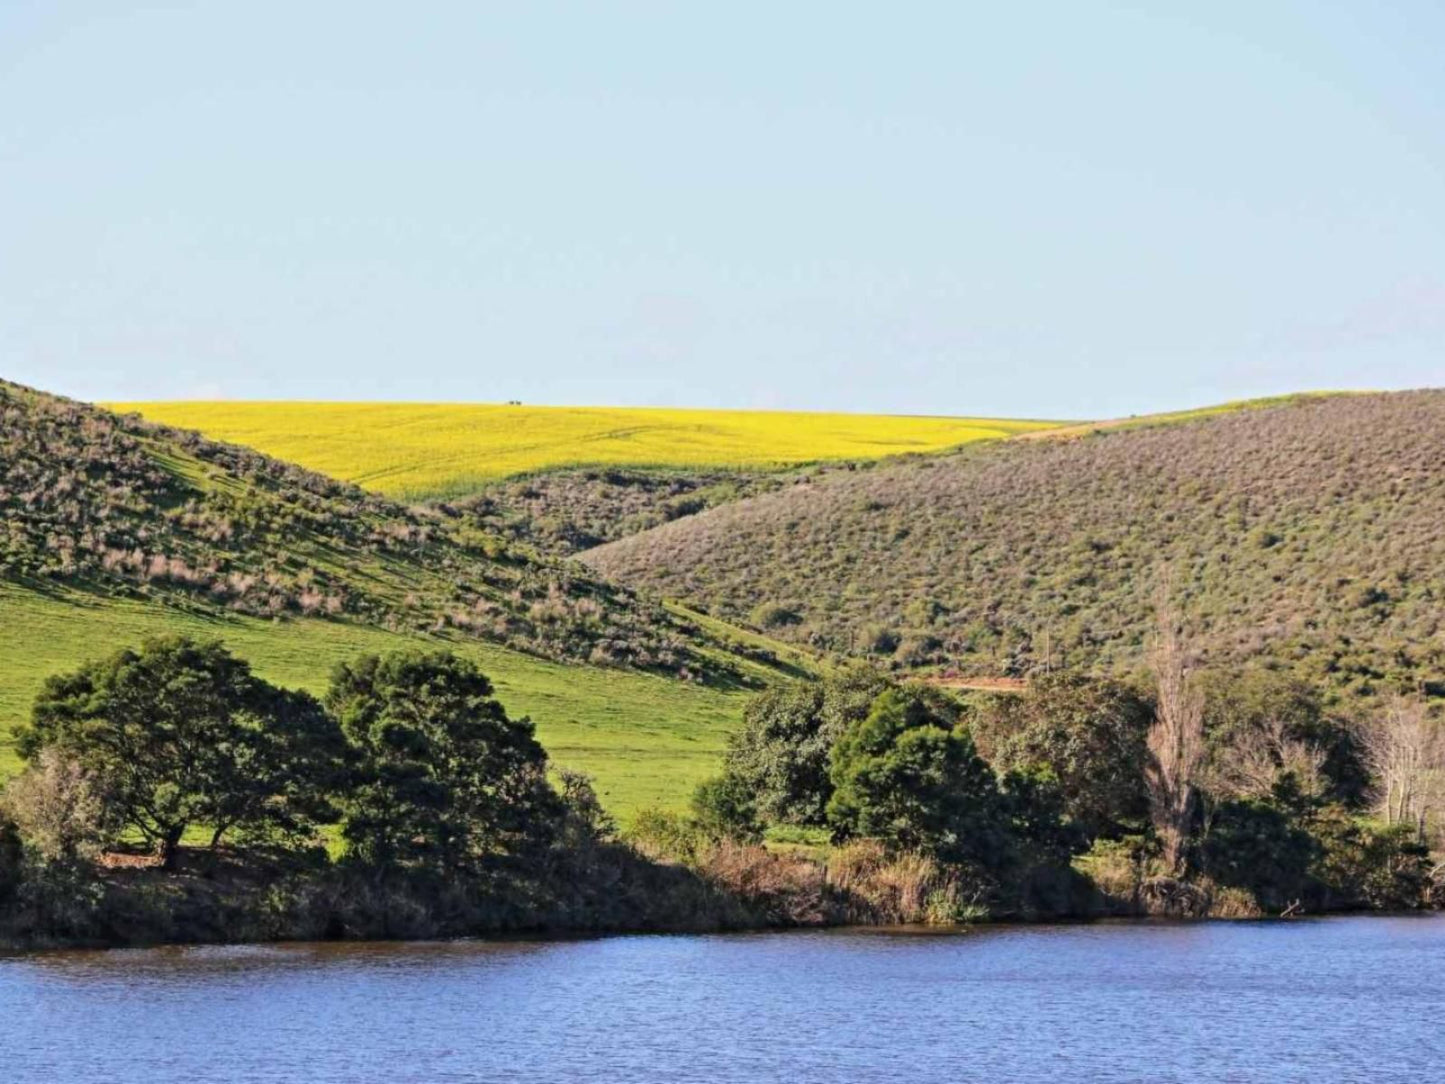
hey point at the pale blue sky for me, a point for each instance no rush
(1060, 210)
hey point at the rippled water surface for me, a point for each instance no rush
(1321, 1001)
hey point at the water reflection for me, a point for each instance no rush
(1328, 1000)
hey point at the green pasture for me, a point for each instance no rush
(646, 740)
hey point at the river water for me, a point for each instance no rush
(1330, 1000)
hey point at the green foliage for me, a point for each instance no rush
(1363, 863)
(181, 733)
(444, 778)
(668, 836)
(562, 512)
(584, 815)
(772, 615)
(646, 739)
(780, 755)
(1086, 735)
(12, 859)
(724, 807)
(1038, 816)
(1259, 847)
(61, 810)
(908, 775)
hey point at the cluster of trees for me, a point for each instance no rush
(408, 755)
(1236, 793)
(1308, 534)
(1233, 792)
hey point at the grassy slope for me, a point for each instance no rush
(646, 739)
(445, 450)
(240, 538)
(91, 497)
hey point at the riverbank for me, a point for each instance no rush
(612, 888)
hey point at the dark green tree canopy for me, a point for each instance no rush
(183, 734)
(1086, 734)
(444, 776)
(780, 756)
(908, 774)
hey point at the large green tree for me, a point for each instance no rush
(1085, 735)
(182, 734)
(908, 774)
(780, 755)
(444, 778)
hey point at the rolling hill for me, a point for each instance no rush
(114, 528)
(439, 451)
(1304, 534)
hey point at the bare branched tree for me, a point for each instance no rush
(1176, 738)
(1405, 751)
(1255, 758)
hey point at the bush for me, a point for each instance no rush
(780, 756)
(1363, 863)
(773, 615)
(584, 810)
(666, 836)
(724, 807)
(1085, 734)
(1257, 847)
(60, 810)
(909, 776)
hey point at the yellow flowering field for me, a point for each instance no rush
(417, 450)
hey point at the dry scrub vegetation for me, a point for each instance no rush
(563, 512)
(119, 506)
(1307, 535)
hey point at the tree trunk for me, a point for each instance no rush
(170, 847)
(1175, 740)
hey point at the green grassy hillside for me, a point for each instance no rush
(115, 529)
(1305, 534)
(646, 738)
(136, 510)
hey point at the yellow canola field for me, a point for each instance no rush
(416, 450)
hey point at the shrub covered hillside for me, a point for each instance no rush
(120, 506)
(1308, 533)
(564, 512)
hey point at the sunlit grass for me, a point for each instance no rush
(646, 740)
(436, 450)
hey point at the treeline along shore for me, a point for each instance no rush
(171, 795)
